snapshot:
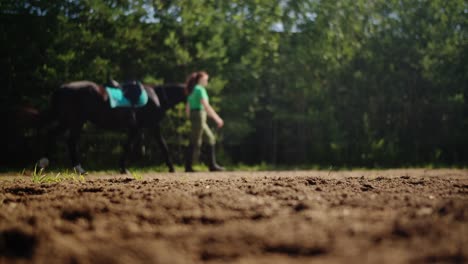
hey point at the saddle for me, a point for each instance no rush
(131, 94)
(132, 91)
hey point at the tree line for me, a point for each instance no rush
(330, 83)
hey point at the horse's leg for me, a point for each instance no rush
(51, 139)
(164, 149)
(137, 151)
(73, 147)
(133, 131)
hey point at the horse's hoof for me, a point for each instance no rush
(43, 163)
(172, 170)
(78, 169)
(125, 171)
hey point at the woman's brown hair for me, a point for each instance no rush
(192, 80)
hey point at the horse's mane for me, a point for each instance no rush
(159, 93)
(164, 85)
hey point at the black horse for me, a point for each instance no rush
(75, 103)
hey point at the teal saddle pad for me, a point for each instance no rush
(117, 98)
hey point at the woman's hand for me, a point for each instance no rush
(219, 122)
(187, 110)
(212, 113)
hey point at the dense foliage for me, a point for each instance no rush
(355, 83)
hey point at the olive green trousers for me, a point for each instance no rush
(200, 132)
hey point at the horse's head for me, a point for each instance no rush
(170, 94)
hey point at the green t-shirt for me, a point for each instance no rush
(194, 99)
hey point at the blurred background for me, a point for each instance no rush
(309, 83)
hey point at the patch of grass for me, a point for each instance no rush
(243, 167)
(38, 176)
(58, 172)
(136, 176)
(271, 167)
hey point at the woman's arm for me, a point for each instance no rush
(212, 113)
(187, 110)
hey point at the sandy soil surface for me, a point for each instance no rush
(391, 216)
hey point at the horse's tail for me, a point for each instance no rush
(17, 139)
(26, 117)
(51, 113)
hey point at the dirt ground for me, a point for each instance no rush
(391, 216)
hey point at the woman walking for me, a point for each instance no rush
(197, 109)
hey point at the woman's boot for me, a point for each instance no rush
(189, 159)
(212, 160)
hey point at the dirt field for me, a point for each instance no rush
(394, 216)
